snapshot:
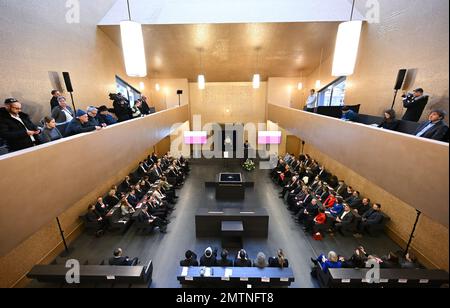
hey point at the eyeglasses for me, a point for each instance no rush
(17, 108)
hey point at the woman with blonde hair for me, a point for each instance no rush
(279, 261)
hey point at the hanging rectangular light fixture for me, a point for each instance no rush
(133, 48)
(256, 81)
(201, 82)
(300, 86)
(346, 51)
(157, 87)
(141, 85)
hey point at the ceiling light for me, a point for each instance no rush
(256, 81)
(133, 47)
(201, 82)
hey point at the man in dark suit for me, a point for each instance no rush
(209, 257)
(435, 128)
(78, 125)
(371, 217)
(343, 222)
(54, 101)
(118, 260)
(242, 259)
(16, 127)
(224, 261)
(415, 104)
(191, 259)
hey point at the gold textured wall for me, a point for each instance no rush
(37, 40)
(229, 102)
(285, 92)
(411, 35)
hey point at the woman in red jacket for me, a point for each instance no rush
(330, 201)
(320, 219)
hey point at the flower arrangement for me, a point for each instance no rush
(249, 165)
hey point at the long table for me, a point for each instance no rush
(423, 278)
(208, 223)
(235, 277)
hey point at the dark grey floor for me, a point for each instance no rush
(167, 249)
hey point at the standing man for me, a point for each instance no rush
(311, 101)
(435, 128)
(54, 101)
(16, 127)
(145, 109)
(246, 147)
(415, 104)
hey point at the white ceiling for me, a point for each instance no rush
(159, 12)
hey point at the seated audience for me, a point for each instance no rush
(390, 261)
(93, 216)
(126, 209)
(348, 114)
(145, 217)
(136, 112)
(344, 221)
(79, 124)
(260, 261)
(16, 127)
(191, 259)
(62, 113)
(332, 261)
(224, 261)
(371, 217)
(92, 117)
(119, 260)
(311, 224)
(50, 132)
(279, 261)
(435, 128)
(209, 257)
(242, 259)
(111, 199)
(101, 207)
(105, 117)
(389, 122)
(362, 207)
(357, 260)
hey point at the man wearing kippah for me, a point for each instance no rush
(79, 124)
(16, 127)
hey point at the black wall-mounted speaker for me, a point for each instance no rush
(400, 79)
(67, 81)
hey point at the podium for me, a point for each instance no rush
(230, 186)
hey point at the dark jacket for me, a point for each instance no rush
(145, 109)
(208, 262)
(14, 133)
(49, 135)
(373, 217)
(273, 262)
(53, 103)
(224, 263)
(390, 125)
(437, 132)
(415, 107)
(242, 263)
(106, 119)
(120, 261)
(189, 262)
(122, 110)
(59, 115)
(75, 127)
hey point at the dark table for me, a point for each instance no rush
(240, 277)
(208, 223)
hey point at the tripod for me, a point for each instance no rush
(413, 231)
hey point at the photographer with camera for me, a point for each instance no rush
(415, 104)
(121, 107)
